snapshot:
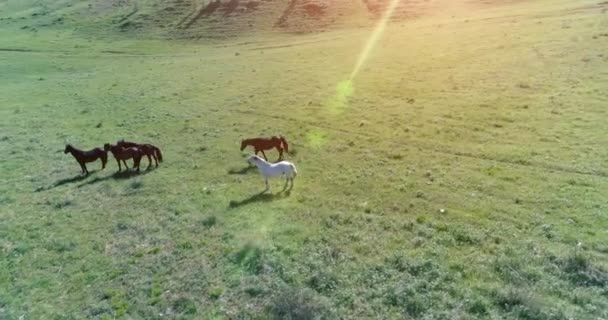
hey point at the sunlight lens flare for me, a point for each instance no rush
(345, 88)
(316, 139)
(338, 102)
(373, 39)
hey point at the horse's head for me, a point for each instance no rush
(253, 159)
(68, 148)
(120, 142)
(106, 147)
(243, 144)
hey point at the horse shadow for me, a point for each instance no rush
(77, 178)
(244, 170)
(259, 197)
(118, 175)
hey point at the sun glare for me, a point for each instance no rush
(345, 88)
(373, 39)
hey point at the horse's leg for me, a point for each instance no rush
(119, 168)
(280, 153)
(149, 161)
(82, 167)
(125, 162)
(267, 185)
(264, 155)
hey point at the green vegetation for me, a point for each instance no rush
(461, 174)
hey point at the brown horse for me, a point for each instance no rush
(149, 150)
(122, 153)
(87, 156)
(261, 144)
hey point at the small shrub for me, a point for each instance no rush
(463, 237)
(209, 221)
(523, 304)
(62, 204)
(426, 267)
(407, 295)
(514, 271)
(184, 305)
(323, 281)
(119, 304)
(302, 304)
(416, 306)
(509, 299)
(121, 226)
(398, 261)
(417, 242)
(185, 245)
(477, 306)
(155, 291)
(581, 271)
(250, 257)
(61, 246)
(254, 291)
(216, 292)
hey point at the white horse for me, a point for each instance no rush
(275, 169)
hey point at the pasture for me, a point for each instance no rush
(461, 174)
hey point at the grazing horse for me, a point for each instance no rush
(261, 144)
(149, 150)
(275, 169)
(122, 153)
(87, 156)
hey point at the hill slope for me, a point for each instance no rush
(460, 174)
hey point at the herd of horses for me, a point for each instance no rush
(124, 150)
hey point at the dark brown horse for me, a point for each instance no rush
(261, 144)
(122, 153)
(149, 150)
(87, 156)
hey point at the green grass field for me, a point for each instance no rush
(462, 174)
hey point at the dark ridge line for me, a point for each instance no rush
(179, 24)
(229, 7)
(135, 9)
(204, 11)
(286, 13)
(20, 50)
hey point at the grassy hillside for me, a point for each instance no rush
(460, 174)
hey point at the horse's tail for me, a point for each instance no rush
(159, 155)
(295, 171)
(285, 145)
